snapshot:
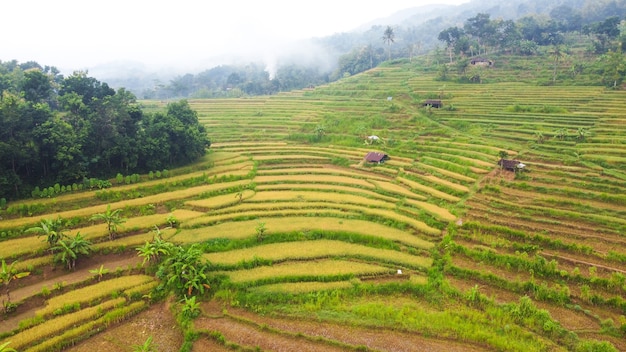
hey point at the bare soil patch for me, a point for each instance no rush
(249, 335)
(156, 322)
(205, 344)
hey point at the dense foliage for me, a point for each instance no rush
(481, 34)
(58, 130)
(238, 80)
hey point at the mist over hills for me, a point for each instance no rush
(416, 26)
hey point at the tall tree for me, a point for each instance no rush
(479, 27)
(557, 55)
(613, 68)
(451, 36)
(389, 38)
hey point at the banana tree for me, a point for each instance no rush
(184, 271)
(9, 273)
(52, 229)
(5, 347)
(69, 249)
(112, 218)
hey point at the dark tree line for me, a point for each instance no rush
(481, 34)
(60, 130)
(238, 80)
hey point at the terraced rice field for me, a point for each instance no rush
(313, 247)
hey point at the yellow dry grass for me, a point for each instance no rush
(239, 144)
(57, 325)
(418, 279)
(455, 186)
(397, 189)
(313, 179)
(21, 246)
(322, 187)
(289, 157)
(435, 193)
(134, 239)
(318, 171)
(244, 229)
(416, 224)
(311, 269)
(447, 173)
(221, 200)
(92, 292)
(25, 265)
(248, 209)
(52, 343)
(307, 196)
(143, 288)
(315, 249)
(308, 211)
(441, 213)
(136, 223)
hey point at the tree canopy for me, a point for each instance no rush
(61, 130)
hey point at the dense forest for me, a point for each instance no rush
(60, 132)
(470, 29)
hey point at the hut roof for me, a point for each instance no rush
(376, 157)
(511, 164)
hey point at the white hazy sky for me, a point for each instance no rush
(77, 34)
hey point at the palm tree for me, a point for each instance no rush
(7, 274)
(388, 38)
(557, 55)
(70, 249)
(112, 218)
(52, 229)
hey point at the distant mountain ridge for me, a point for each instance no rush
(414, 26)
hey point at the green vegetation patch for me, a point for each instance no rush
(306, 250)
(246, 229)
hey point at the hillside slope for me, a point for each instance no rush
(436, 248)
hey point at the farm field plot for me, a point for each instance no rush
(305, 243)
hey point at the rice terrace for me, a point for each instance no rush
(296, 242)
